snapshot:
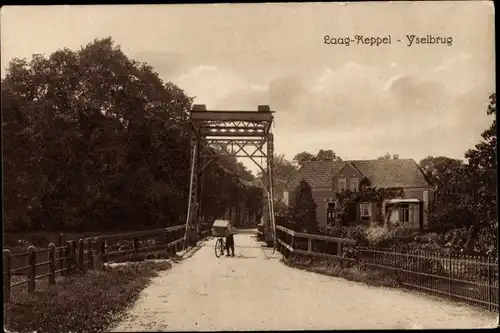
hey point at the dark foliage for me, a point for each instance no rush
(303, 210)
(465, 206)
(93, 140)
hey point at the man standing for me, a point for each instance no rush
(230, 239)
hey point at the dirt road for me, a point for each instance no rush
(255, 291)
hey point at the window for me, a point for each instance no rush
(404, 213)
(354, 185)
(365, 210)
(330, 213)
(342, 184)
(285, 197)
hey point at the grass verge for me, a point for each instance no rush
(88, 302)
(348, 270)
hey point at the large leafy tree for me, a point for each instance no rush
(327, 155)
(482, 172)
(301, 158)
(95, 140)
(466, 196)
(323, 155)
(450, 178)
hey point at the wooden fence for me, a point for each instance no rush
(472, 280)
(290, 241)
(83, 254)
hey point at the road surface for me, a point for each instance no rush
(255, 291)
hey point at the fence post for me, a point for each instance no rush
(358, 254)
(103, 251)
(394, 263)
(90, 253)
(489, 284)
(179, 246)
(339, 248)
(69, 255)
(62, 253)
(74, 250)
(449, 275)
(309, 245)
(52, 263)
(167, 240)
(65, 261)
(6, 274)
(81, 251)
(171, 238)
(31, 268)
(279, 247)
(136, 245)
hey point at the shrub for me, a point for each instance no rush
(303, 212)
(88, 302)
(345, 269)
(358, 233)
(376, 233)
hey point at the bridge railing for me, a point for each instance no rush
(110, 246)
(54, 262)
(290, 241)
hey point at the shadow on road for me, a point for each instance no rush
(239, 256)
(188, 254)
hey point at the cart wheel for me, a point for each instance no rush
(218, 248)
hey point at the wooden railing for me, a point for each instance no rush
(290, 241)
(83, 254)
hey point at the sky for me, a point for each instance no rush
(361, 101)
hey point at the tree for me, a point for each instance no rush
(449, 176)
(304, 208)
(482, 172)
(96, 141)
(283, 170)
(301, 158)
(466, 193)
(327, 155)
(323, 155)
(388, 156)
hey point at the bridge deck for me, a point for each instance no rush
(254, 291)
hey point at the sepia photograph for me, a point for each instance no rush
(249, 167)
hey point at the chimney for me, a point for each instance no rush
(199, 107)
(263, 108)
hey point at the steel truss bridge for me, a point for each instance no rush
(215, 134)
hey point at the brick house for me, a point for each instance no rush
(327, 178)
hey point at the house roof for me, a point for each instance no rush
(318, 174)
(403, 173)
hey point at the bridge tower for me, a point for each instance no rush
(239, 134)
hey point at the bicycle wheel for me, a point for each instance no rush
(218, 248)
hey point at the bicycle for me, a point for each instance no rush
(220, 245)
